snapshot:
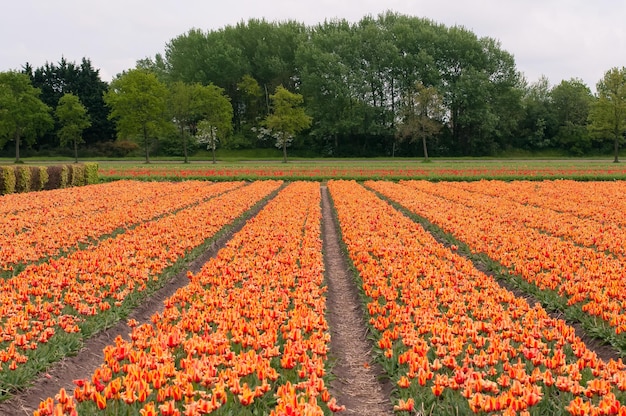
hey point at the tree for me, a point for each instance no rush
(181, 105)
(82, 80)
(191, 103)
(73, 118)
(421, 115)
(571, 101)
(207, 134)
(138, 106)
(608, 113)
(538, 125)
(23, 116)
(249, 104)
(287, 117)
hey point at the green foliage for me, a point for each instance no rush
(608, 113)
(82, 80)
(138, 105)
(22, 179)
(23, 116)
(287, 117)
(571, 101)
(7, 180)
(422, 114)
(77, 175)
(73, 118)
(42, 177)
(91, 173)
(64, 176)
(190, 104)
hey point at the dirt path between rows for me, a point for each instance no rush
(91, 356)
(356, 379)
(358, 383)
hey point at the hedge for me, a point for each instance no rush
(36, 178)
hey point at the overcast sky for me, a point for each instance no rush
(561, 39)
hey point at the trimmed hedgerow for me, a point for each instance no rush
(91, 173)
(7, 179)
(22, 178)
(76, 175)
(54, 177)
(37, 178)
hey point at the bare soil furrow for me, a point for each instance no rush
(358, 381)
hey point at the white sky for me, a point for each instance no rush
(561, 39)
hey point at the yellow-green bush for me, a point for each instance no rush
(65, 176)
(36, 178)
(22, 178)
(77, 175)
(43, 177)
(91, 173)
(7, 179)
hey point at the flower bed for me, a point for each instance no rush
(48, 308)
(246, 336)
(452, 339)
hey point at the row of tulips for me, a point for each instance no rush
(452, 339)
(600, 201)
(400, 169)
(84, 291)
(577, 276)
(246, 336)
(47, 223)
(591, 222)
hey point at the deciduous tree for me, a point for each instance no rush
(23, 116)
(73, 119)
(608, 113)
(138, 106)
(422, 112)
(571, 101)
(287, 117)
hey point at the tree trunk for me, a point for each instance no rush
(213, 153)
(17, 147)
(182, 133)
(284, 148)
(185, 149)
(146, 144)
(424, 142)
(75, 151)
(616, 149)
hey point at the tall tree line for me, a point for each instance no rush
(383, 86)
(355, 78)
(82, 80)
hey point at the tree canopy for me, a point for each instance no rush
(82, 80)
(608, 113)
(23, 116)
(73, 118)
(287, 117)
(138, 106)
(354, 79)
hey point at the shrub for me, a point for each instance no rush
(22, 178)
(65, 176)
(54, 177)
(91, 173)
(43, 177)
(76, 175)
(7, 179)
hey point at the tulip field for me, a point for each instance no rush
(248, 331)
(389, 169)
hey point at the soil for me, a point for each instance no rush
(357, 380)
